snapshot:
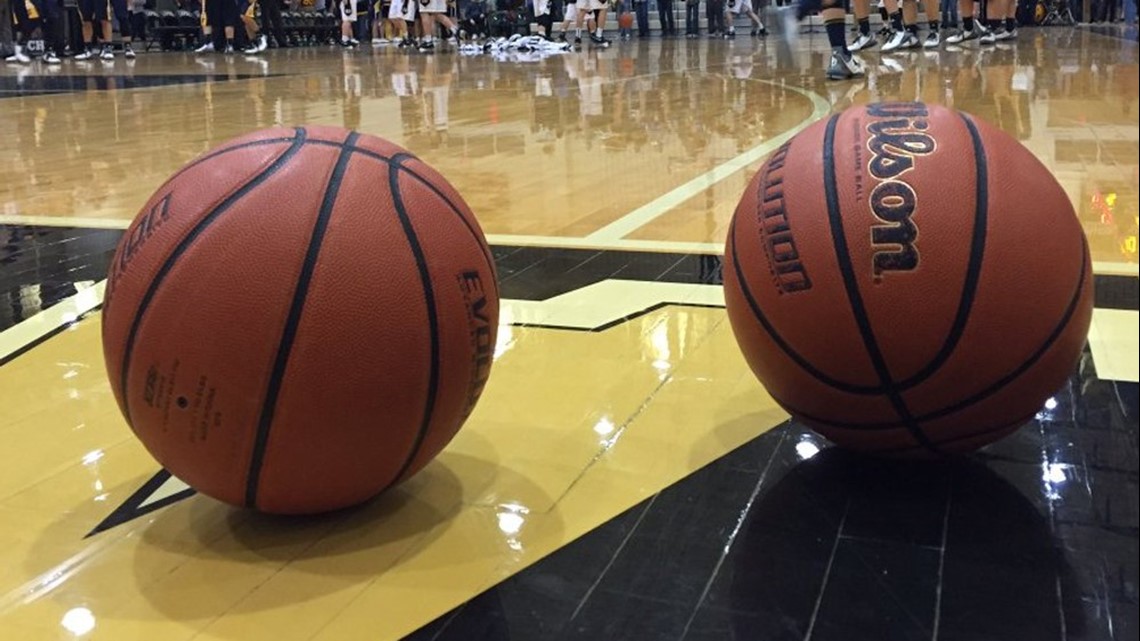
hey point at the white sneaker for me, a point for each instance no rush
(129, 51)
(933, 39)
(900, 40)
(1001, 34)
(844, 69)
(262, 43)
(205, 48)
(51, 59)
(108, 53)
(19, 57)
(988, 38)
(864, 41)
(962, 36)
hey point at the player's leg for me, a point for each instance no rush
(271, 22)
(347, 22)
(969, 29)
(87, 29)
(865, 39)
(257, 41)
(934, 22)
(995, 20)
(51, 15)
(27, 30)
(543, 18)
(758, 28)
(843, 65)
(1011, 20)
(124, 17)
(598, 7)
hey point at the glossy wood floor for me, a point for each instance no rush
(605, 180)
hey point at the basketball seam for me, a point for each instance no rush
(399, 159)
(974, 266)
(222, 152)
(775, 336)
(394, 169)
(183, 245)
(292, 322)
(957, 438)
(992, 389)
(854, 297)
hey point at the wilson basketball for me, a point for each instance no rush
(907, 279)
(300, 319)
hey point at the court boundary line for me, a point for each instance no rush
(659, 206)
(34, 330)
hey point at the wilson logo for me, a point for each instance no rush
(896, 139)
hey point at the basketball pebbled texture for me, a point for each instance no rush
(907, 279)
(300, 319)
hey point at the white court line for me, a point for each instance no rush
(1105, 268)
(1114, 342)
(30, 330)
(658, 206)
(574, 242)
(64, 221)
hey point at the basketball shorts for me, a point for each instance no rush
(433, 6)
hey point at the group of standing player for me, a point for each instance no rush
(49, 15)
(903, 29)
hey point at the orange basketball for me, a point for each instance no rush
(625, 20)
(300, 319)
(907, 279)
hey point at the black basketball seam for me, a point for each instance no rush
(221, 152)
(955, 439)
(183, 245)
(997, 385)
(483, 248)
(433, 320)
(398, 160)
(974, 266)
(854, 297)
(775, 336)
(292, 321)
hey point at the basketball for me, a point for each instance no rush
(300, 319)
(625, 20)
(876, 279)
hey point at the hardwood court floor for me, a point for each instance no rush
(624, 476)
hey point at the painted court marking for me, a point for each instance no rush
(655, 208)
